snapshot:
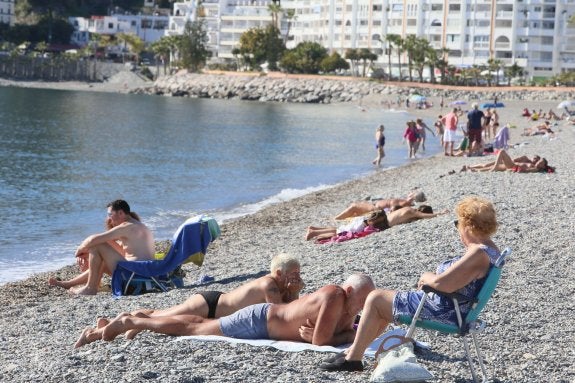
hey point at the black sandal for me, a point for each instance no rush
(341, 364)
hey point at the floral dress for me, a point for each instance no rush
(436, 307)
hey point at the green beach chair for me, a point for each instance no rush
(470, 325)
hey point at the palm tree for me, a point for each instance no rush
(410, 46)
(353, 56)
(493, 65)
(275, 9)
(513, 71)
(398, 42)
(366, 55)
(290, 16)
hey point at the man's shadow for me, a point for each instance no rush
(225, 281)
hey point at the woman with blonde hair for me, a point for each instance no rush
(465, 274)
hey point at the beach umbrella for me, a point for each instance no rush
(492, 105)
(417, 98)
(458, 102)
(566, 104)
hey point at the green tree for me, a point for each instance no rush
(161, 49)
(352, 55)
(135, 44)
(513, 71)
(259, 45)
(333, 62)
(306, 57)
(290, 17)
(494, 65)
(275, 9)
(366, 55)
(397, 42)
(192, 45)
(410, 46)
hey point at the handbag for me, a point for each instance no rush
(397, 363)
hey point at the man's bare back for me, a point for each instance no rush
(408, 215)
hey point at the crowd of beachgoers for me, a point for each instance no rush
(530, 332)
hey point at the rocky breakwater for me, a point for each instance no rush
(326, 90)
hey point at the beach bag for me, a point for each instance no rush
(397, 363)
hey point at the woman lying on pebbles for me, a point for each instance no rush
(503, 162)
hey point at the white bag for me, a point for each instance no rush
(397, 363)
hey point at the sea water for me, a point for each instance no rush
(64, 155)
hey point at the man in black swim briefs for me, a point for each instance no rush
(282, 285)
(324, 317)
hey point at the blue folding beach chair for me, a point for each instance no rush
(189, 244)
(470, 325)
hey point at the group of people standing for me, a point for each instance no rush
(480, 125)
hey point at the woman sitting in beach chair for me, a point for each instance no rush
(504, 163)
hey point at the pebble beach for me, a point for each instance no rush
(531, 322)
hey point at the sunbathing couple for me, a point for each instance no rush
(268, 309)
(503, 162)
(378, 220)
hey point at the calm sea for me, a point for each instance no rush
(64, 155)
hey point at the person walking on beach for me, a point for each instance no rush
(412, 136)
(439, 129)
(379, 143)
(494, 123)
(324, 317)
(282, 285)
(449, 121)
(421, 127)
(474, 127)
(127, 239)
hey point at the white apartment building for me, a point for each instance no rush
(535, 34)
(7, 12)
(149, 28)
(226, 20)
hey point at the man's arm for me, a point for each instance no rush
(113, 234)
(329, 315)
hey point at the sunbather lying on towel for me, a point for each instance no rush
(503, 162)
(398, 216)
(282, 285)
(361, 208)
(324, 317)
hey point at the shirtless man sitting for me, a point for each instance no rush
(360, 208)
(324, 317)
(127, 239)
(282, 285)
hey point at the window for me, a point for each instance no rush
(110, 25)
(437, 7)
(454, 7)
(377, 7)
(397, 8)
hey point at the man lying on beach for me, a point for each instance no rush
(360, 208)
(282, 285)
(325, 317)
(398, 216)
(127, 239)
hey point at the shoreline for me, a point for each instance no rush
(522, 341)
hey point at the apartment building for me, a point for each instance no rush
(226, 20)
(7, 12)
(535, 34)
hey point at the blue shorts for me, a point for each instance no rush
(248, 323)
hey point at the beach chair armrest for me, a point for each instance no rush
(460, 298)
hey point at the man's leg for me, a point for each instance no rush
(80, 279)
(102, 257)
(320, 232)
(177, 325)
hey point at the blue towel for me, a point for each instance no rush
(191, 238)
